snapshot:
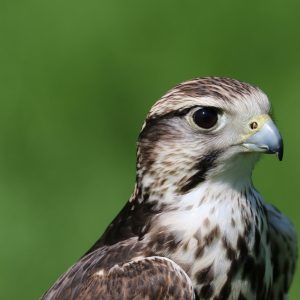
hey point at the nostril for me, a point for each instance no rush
(253, 125)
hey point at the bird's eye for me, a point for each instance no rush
(205, 117)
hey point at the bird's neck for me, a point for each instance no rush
(233, 208)
(217, 199)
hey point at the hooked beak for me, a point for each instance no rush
(266, 139)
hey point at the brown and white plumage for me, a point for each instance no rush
(195, 227)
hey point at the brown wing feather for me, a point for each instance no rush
(97, 276)
(283, 240)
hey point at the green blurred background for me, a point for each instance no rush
(76, 81)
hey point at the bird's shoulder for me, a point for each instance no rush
(122, 271)
(283, 239)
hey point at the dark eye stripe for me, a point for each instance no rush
(151, 121)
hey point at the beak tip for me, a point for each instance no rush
(280, 153)
(280, 150)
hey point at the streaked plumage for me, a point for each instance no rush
(194, 227)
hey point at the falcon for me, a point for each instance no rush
(195, 227)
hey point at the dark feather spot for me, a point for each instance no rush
(231, 253)
(206, 291)
(242, 247)
(257, 242)
(242, 297)
(225, 291)
(205, 275)
(199, 252)
(214, 234)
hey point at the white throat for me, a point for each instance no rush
(232, 208)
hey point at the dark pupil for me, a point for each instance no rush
(205, 117)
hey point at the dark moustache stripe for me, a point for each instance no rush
(203, 166)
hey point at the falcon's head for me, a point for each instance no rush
(205, 129)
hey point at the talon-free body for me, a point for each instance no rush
(195, 227)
